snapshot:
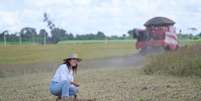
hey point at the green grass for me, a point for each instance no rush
(26, 54)
(186, 61)
(20, 60)
(70, 41)
(96, 41)
(189, 42)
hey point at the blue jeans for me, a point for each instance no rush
(63, 88)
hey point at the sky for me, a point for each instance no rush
(113, 17)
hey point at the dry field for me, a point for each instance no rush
(108, 73)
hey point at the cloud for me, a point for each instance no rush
(9, 20)
(109, 16)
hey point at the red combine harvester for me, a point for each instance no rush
(160, 34)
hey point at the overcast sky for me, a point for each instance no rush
(113, 17)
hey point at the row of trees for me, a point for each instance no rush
(29, 34)
(189, 36)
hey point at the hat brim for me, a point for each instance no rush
(78, 59)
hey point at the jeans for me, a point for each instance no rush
(63, 88)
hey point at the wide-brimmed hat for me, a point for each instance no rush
(73, 56)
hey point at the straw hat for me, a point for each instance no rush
(73, 56)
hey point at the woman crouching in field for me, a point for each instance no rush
(62, 84)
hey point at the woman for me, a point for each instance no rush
(62, 84)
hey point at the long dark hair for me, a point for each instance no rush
(74, 68)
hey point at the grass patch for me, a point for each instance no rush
(189, 41)
(25, 59)
(27, 54)
(97, 41)
(186, 61)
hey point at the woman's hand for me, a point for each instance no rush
(75, 84)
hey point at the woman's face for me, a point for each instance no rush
(73, 62)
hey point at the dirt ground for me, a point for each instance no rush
(110, 79)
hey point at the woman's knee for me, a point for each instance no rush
(73, 90)
(65, 88)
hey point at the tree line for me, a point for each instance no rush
(29, 34)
